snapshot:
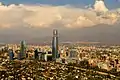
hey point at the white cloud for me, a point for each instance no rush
(46, 15)
(100, 6)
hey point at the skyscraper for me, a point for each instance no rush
(23, 49)
(55, 45)
(36, 54)
(11, 54)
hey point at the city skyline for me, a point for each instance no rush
(34, 21)
(60, 39)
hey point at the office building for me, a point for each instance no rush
(36, 54)
(19, 55)
(22, 50)
(11, 54)
(73, 53)
(55, 45)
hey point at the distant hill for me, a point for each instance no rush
(100, 33)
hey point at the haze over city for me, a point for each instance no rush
(80, 20)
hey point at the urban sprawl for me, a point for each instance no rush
(66, 61)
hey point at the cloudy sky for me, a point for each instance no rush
(57, 2)
(110, 3)
(76, 20)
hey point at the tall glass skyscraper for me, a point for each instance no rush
(11, 54)
(55, 45)
(23, 49)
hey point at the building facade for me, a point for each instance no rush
(55, 45)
